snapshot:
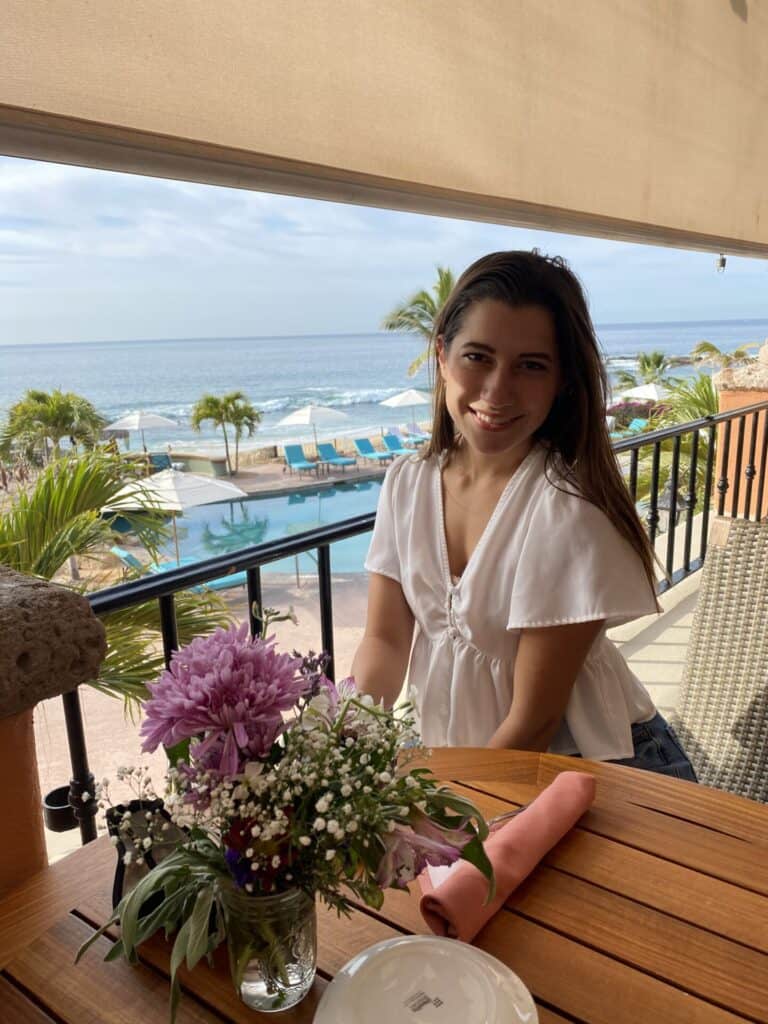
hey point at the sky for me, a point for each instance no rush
(89, 255)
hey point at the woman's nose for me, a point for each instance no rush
(498, 389)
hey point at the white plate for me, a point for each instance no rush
(425, 980)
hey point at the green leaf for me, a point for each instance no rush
(179, 752)
(178, 955)
(474, 852)
(96, 935)
(199, 920)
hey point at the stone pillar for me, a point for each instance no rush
(738, 387)
(50, 642)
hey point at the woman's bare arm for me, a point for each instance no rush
(547, 663)
(381, 660)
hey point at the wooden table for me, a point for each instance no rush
(654, 909)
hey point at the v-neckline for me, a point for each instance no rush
(451, 583)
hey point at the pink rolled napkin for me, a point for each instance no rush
(456, 908)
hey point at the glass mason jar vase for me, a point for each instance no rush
(272, 944)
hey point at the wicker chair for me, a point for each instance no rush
(722, 713)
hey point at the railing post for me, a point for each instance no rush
(82, 783)
(326, 604)
(253, 586)
(168, 626)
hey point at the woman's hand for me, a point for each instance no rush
(547, 663)
(381, 660)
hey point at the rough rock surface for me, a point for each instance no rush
(50, 641)
(753, 376)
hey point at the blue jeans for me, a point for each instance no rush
(657, 749)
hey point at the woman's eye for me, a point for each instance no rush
(475, 357)
(532, 364)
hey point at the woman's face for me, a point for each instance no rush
(501, 375)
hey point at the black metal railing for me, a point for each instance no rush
(670, 471)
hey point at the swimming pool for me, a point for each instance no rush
(228, 526)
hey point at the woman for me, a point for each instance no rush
(502, 554)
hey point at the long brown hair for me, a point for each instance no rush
(579, 446)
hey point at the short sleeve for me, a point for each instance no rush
(574, 566)
(383, 556)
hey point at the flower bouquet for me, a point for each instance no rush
(286, 787)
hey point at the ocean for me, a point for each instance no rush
(352, 373)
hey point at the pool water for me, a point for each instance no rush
(210, 530)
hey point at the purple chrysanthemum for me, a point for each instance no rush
(227, 688)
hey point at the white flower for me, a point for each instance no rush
(255, 831)
(366, 700)
(333, 826)
(319, 824)
(253, 769)
(248, 887)
(330, 854)
(85, 797)
(410, 782)
(323, 804)
(305, 840)
(346, 789)
(385, 777)
(127, 858)
(147, 843)
(276, 861)
(114, 840)
(249, 854)
(352, 826)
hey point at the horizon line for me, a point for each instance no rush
(353, 334)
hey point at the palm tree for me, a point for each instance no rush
(61, 517)
(42, 415)
(219, 411)
(706, 352)
(690, 399)
(651, 369)
(418, 314)
(244, 417)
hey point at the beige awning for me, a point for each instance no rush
(636, 119)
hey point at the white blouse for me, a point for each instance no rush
(545, 558)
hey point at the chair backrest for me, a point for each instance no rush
(161, 460)
(295, 453)
(363, 445)
(722, 712)
(127, 558)
(413, 428)
(638, 424)
(326, 450)
(393, 443)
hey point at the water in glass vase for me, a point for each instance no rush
(272, 944)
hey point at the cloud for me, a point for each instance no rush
(90, 254)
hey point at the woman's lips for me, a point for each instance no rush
(493, 423)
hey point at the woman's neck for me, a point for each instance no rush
(480, 467)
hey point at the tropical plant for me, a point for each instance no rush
(245, 418)
(652, 368)
(417, 315)
(61, 517)
(232, 409)
(41, 416)
(690, 399)
(707, 352)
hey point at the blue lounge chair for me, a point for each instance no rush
(637, 425)
(328, 456)
(416, 435)
(159, 461)
(365, 450)
(295, 459)
(130, 561)
(393, 445)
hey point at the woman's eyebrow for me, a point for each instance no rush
(520, 355)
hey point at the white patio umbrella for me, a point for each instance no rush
(173, 491)
(141, 420)
(313, 416)
(646, 393)
(407, 400)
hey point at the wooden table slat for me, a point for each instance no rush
(17, 1008)
(93, 991)
(682, 842)
(705, 964)
(717, 906)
